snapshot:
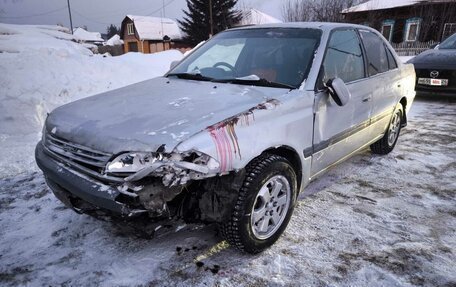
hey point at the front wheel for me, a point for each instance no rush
(264, 206)
(387, 143)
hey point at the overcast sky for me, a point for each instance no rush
(97, 14)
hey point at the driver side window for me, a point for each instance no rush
(344, 57)
(229, 52)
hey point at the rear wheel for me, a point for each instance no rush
(264, 206)
(387, 143)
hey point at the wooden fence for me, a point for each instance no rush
(412, 48)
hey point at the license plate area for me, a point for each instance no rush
(432, 82)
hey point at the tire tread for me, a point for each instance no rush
(230, 229)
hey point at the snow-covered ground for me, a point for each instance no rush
(371, 221)
(41, 69)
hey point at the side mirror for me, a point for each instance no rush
(173, 64)
(338, 91)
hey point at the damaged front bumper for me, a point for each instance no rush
(79, 191)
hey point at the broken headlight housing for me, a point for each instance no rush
(132, 162)
(174, 168)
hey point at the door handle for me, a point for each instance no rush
(367, 99)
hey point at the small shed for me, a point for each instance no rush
(151, 34)
(85, 36)
(406, 21)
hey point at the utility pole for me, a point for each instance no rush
(69, 12)
(211, 33)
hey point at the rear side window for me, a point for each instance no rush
(376, 53)
(344, 57)
(391, 61)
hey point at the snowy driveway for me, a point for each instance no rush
(377, 221)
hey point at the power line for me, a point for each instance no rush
(35, 15)
(104, 23)
(163, 7)
(80, 14)
(88, 19)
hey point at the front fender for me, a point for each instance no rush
(234, 142)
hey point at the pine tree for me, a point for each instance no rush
(196, 22)
(111, 30)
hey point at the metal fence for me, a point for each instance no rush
(412, 48)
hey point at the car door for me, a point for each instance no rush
(386, 80)
(340, 130)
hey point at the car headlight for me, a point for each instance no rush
(174, 168)
(132, 162)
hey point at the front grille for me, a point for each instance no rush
(81, 155)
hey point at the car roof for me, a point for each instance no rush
(315, 25)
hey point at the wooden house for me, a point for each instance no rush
(151, 34)
(406, 21)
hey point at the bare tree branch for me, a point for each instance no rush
(315, 10)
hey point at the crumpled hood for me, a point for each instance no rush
(434, 59)
(150, 114)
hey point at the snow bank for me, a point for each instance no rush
(20, 38)
(41, 70)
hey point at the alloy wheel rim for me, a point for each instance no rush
(270, 207)
(394, 127)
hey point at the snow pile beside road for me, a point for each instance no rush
(21, 38)
(42, 69)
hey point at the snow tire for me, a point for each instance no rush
(385, 145)
(238, 230)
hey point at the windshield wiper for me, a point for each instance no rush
(191, 76)
(256, 81)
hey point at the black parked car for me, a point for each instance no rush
(436, 69)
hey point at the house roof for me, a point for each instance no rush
(155, 28)
(86, 36)
(387, 4)
(256, 17)
(114, 41)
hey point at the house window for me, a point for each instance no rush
(130, 29)
(412, 28)
(387, 29)
(448, 30)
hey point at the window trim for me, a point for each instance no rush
(388, 52)
(367, 59)
(354, 29)
(408, 24)
(390, 23)
(130, 29)
(448, 24)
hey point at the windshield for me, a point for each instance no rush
(281, 56)
(449, 43)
